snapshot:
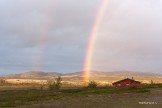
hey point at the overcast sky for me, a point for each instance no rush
(51, 35)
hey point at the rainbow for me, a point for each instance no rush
(46, 24)
(92, 39)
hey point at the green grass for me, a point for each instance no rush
(11, 98)
(20, 97)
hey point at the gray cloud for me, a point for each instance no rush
(133, 37)
(52, 35)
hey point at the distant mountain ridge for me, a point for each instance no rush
(40, 74)
(77, 77)
(33, 74)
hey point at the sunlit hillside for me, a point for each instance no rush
(77, 78)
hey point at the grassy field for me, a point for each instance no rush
(102, 97)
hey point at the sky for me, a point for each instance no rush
(52, 35)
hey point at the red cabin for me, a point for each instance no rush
(125, 82)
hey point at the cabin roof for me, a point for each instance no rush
(125, 80)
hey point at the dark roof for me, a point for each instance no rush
(124, 80)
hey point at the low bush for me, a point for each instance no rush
(3, 82)
(92, 84)
(56, 85)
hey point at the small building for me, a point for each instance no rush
(125, 82)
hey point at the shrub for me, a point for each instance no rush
(56, 85)
(92, 84)
(137, 86)
(3, 82)
(41, 87)
(151, 82)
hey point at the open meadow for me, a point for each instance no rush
(69, 91)
(143, 96)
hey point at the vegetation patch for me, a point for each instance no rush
(11, 98)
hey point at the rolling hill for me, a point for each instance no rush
(99, 76)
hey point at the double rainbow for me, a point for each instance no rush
(92, 40)
(90, 43)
